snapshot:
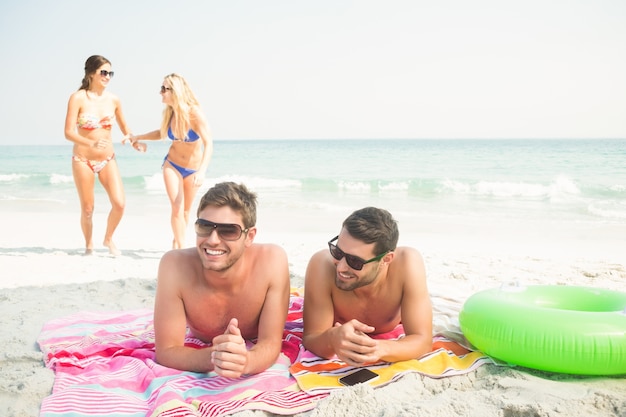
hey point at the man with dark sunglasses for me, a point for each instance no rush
(363, 285)
(226, 291)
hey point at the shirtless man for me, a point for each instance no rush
(363, 286)
(226, 290)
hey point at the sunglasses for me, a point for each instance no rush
(164, 89)
(226, 231)
(353, 262)
(105, 73)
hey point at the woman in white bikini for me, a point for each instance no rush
(185, 165)
(91, 112)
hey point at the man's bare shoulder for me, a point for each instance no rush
(268, 258)
(406, 259)
(269, 248)
(407, 266)
(267, 253)
(178, 262)
(319, 258)
(320, 270)
(177, 254)
(408, 253)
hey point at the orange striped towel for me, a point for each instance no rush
(316, 375)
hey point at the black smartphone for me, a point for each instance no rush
(358, 377)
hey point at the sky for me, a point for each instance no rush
(326, 69)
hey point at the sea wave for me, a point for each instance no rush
(61, 179)
(154, 183)
(259, 183)
(10, 178)
(608, 209)
(560, 187)
(31, 200)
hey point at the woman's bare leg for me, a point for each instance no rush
(174, 187)
(190, 190)
(111, 180)
(84, 180)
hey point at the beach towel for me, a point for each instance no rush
(104, 364)
(316, 375)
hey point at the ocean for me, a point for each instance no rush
(561, 188)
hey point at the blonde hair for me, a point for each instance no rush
(183, 100)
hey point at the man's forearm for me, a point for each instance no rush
(186, 358)
(261, 356)
(319, 344)
(408, 347)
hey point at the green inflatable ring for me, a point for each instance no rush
(567, 329)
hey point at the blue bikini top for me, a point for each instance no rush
(191, 135)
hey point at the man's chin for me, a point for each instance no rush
(345, 286)
(212, 265)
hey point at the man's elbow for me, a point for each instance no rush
(424, 347)
(160, 357)
(309, 344)
(163, 357)
(306, 342)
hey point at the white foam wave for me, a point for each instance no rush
(354, 187)
(618, 188)
(35, 200)
(564, 185)
(394, 187)
(506, 189)
(61, 179)
(12, 177)
(257, 183)
(561, 187)
(154, 182)
(608, 209)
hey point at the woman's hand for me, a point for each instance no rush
(198, 177)
(101, 143)
(134, 142)
(140, 147)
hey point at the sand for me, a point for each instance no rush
(44, 276)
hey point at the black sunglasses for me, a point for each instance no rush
(104, 73)
(353, 262)
(164, 89)
(226, 231)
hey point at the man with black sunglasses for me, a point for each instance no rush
(363, 285)
(226, 291)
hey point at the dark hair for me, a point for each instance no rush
(91, 66)
(373, 225)
(235, 196)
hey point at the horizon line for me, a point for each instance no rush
(68, 143)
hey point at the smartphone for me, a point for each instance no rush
(358, 377)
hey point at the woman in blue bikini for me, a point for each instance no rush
(91, 112)
(185, 165)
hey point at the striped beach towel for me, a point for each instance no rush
(316, 375)
(105, 365)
